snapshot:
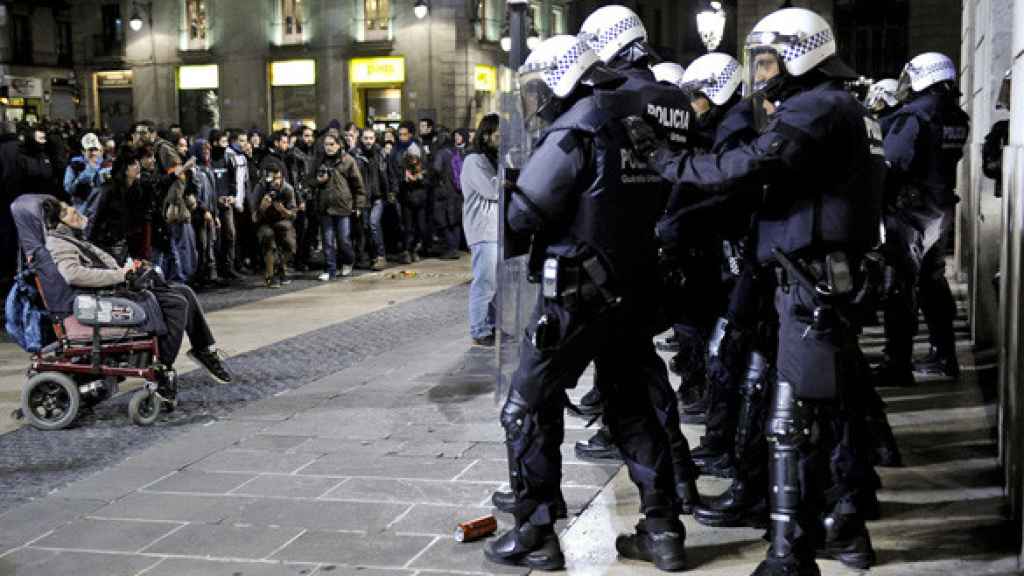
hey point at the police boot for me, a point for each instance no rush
(689, 498)
(937, 363)
(847, 540)
(657, 540)
(506, 502)
(697, 412)
(527, 545)
(743, 503)
(591, 404)
(788, 553)
(887, 452)
(598, 447)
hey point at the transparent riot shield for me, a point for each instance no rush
(516, 296)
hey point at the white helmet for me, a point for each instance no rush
(801, 38)
(715, 75)
(560, 62)
(926, 70)
(610, 29)
(883, 91)
(669, 73)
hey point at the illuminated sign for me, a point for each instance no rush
(485, 78)
(293, 73)
(114, 79)
(377, 70)
(23, 87)
(202, 77)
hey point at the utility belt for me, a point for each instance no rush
(829, 281)
(577, 282)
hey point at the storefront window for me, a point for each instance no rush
(196, 26)
(292, 21)
(293, 93)
(198, 98)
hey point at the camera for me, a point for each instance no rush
(323, 171)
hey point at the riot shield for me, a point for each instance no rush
(516, 296)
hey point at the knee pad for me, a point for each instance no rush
(790, 421)
(514, 414)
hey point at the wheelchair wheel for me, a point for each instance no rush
(50, 401)
(144, 407)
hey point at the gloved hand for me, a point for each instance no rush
(641, 135)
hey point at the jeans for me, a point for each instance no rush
(482, 289)
(337, 232)
(376, 232)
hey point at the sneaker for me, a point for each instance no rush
(325, 277)
(272, 283)
(211, 362)
(346, 270)
(379, 264)
(485, 341)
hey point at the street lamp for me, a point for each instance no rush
(136, 22)
(421, 9)
(711, 25)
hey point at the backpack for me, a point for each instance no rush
(25, 319)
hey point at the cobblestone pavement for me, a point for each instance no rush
(32, 462)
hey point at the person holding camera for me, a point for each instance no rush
(340, 195)
(274, 213)
(82, 174)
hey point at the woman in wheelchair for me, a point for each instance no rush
(83, 265)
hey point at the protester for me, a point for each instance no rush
(479, 182)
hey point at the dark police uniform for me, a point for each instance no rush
(597, 221)
(822, 163)
(923, 145)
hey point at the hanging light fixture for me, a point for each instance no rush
(421, 9)
(135, 22)
(711, 25)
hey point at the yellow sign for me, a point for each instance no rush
(201, 77)
(114, 79)
(293, 73)
(389, 70)
(486, 78)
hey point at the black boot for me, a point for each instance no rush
(591, 404)
(889, 373)
(847, 540)
(695, 413)
(719, 465)
(527, 545)
(506, 502)
(689, 498)
(661, 542)
(938, 364)
(599, 447)
(786, 566)
(742, 504)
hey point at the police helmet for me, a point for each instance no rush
(800, 40)
(715, 75)
(611, 29)
(668, 73)
(552, 72)
(925, 70)
(882, 94)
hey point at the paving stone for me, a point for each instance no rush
(224, 541)
(319, 514)
(272, 442)
(366, 447)
(426, 491)
(175, 507)
(447, 554)
(113, 483)
(254, 461)
(29, 521)
(442, 520)
(434, 449)
(276, 408)
(487, 450)
(115, 535)
(33, 562)
(280, 485)
(196, 481)
(354, 549)
(388, 466)
(191, 567)
(572, 474)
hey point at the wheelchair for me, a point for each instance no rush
(99, 338)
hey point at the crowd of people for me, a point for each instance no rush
(215, 208)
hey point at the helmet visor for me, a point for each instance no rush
(903, 86)
(763, 68)
(536, 97)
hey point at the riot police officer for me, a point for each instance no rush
(596, 230)
(619, 38)
(923, 145)
(820, 160)
(882, 102)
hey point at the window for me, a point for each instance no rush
(64, 55)
(873, 40)
(292, 21)
(557, 21)
(293, 93)
(489, 22)
(21, 38)
(376, 19)
(196, 25)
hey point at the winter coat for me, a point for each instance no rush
(343, 193)
(447, 206)
(373, 167)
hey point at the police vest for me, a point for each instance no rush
(619, 198)
(944, 130)
(836, 204)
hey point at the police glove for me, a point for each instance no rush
(641, 136)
